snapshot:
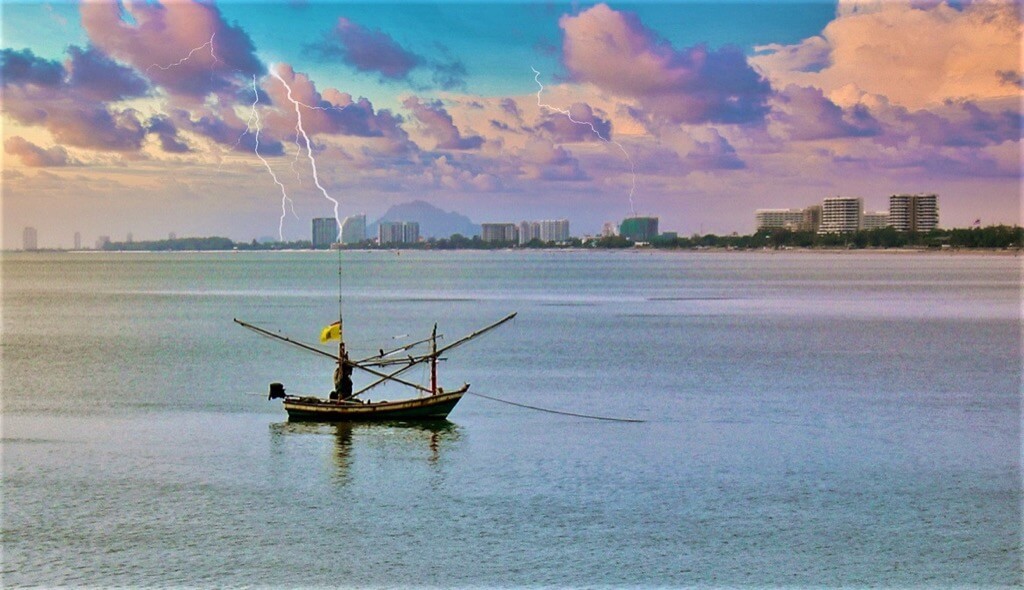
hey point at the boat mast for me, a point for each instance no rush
(433, 361)
(341, 324)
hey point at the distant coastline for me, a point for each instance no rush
(997, 238)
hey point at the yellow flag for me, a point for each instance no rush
(332, 332)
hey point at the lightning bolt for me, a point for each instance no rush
(632, 166)
(297, 133)
(254, 118)
(295, 160)
(189, 56)
(309, 146)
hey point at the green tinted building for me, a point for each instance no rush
(639, 229)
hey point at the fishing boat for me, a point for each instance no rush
(345, 405)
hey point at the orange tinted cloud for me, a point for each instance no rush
(914, 57)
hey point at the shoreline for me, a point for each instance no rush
(765, 251)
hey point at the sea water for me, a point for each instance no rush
(812, 419)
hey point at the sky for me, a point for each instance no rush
(248, 119)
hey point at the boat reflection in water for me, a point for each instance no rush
(425, 440)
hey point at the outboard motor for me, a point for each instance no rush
(276, 391)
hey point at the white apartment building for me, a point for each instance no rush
(841, 215)
(499, 232)
(917, 213)
(779, 218)
(875, 220)
(353, 229)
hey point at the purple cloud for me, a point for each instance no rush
(509, 106)
(966, 125)
(184, 46)
(542, 160)
(225, 128)
(374, 51)
(589, 127)
(167, 132)
(332, 112)
(808, 115)
(97, 128)
(35, 156)
(617, 53)
(715, 154)
(439, 125)
(98, 77)
(367, 50)
(24, 68)
(40, 92)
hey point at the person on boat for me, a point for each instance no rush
(343, 378)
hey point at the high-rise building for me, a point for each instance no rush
(812, 218)
(102, 241)
(398, 232)
(528, 230)
(172, 236)
(639, 229)
(779, 218)
(325, 232)
(499, 232)
(841, 215)
(353, 229)
(608, 229)
(129, 238)
(78, 240)
(29, 239)
(916, 213)
(554, 230)
(411, 232)
(876, 220)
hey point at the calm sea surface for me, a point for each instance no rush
(811, 419)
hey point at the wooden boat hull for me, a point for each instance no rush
(434, 407)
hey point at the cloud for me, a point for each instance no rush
(449, 75)
(223, 126)
(957, 125)
(617, 53)
(97, 128)
(716, 153)
(23, 68)
(998, 161)
(331, 113)
(584, 125)
(374, 51)
(39, 92)
(184, 46)
(447, 173)
(808, 115)
(367, 50)
(509, 106)
(812, 55)
(35, 156)
(100, 78)
(167, 133)
(438, 124)
(913, 56)
(543, 160)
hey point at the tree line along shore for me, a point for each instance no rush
(996, 237)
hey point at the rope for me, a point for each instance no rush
(539, 409)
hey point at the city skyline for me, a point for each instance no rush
(696, 113)
(903, 214)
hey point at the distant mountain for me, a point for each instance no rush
(434, 222)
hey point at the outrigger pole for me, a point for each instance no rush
(260, 330)
(383, 376)
(341, 323)
(433, 361)
(433, 356)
